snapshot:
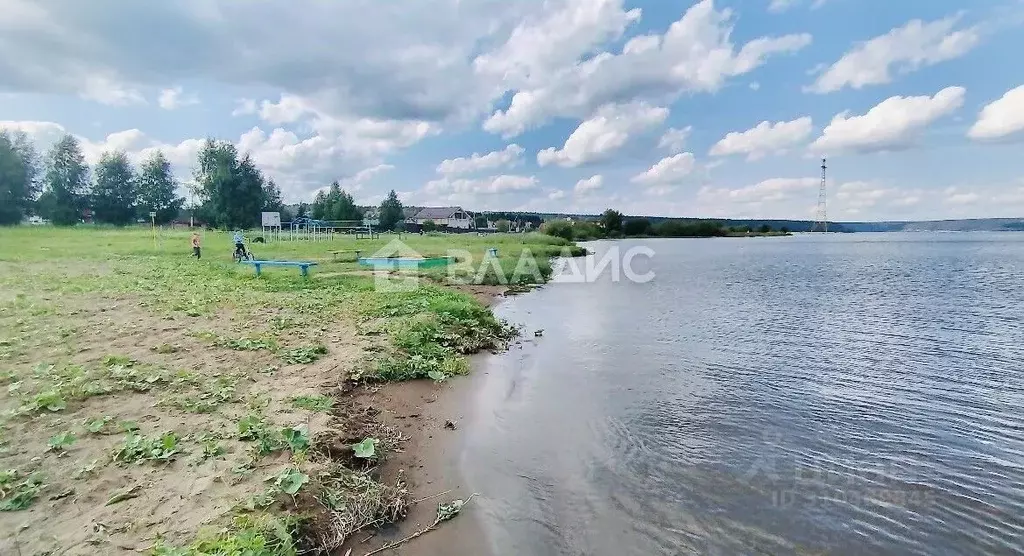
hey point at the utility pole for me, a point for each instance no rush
(821, 217)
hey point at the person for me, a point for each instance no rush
(240, 244)
(196, 250)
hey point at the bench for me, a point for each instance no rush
(336, 253)
(303, 266)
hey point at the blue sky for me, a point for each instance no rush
(675, 108)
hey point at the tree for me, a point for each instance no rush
(391, 211)
(272, 197)
(611, 221)
(18, 172)
(158, 190)
(557, 228)
(319, 206)
(764, 229)
(302, 211)
(637, 227)
(480, 221)
(231, 190)
(115, 194)
(784, 230)
(66, 181)
(502, 225)
(429, 226)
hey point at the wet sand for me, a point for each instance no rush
(429, 461)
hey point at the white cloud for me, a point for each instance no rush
(357, 180)
(668, 170)
(174, 98)
(104, 90)
(694, 54)
(608, 130)
(903, 49)
(556, 195)
(547, 42)
(509, 156)
(674, 140)
(892, 124)
(245, 107)
(589, 185)
(1000, 118)
(777, 6)
(764, 138)
(482, 186)
(754, 86)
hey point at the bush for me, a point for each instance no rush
(558, 228)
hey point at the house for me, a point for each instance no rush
(371, 216)
(451, 217)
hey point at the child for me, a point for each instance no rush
(240, 244)
(196, 251)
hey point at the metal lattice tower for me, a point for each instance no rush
(821, 218)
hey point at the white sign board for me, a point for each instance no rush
(272, 219)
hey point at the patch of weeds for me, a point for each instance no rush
(60, 442)
(96, 425)
(118, 361)
(18, 495)
(211, 448)
(289, 480)
(297, 438)
(251, 535)
(303, 354)
(165, 349)
(282, 323)
(248, 344)
(255, 428)
(317, 402)
(214, 393)
(366, 449)
(138, 448)
(47, 400)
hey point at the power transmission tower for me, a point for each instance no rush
(821, 218)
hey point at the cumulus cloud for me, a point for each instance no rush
(764, 138)
(589, 185)
(1001, 118)
(482, 186)
(674, 140)
(903, 49)
(892, 124)
(509, 156)
(104, 90)
(694, 54)
(599, 136)
(174, 98)
(668, 170)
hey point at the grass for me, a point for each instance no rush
(105, 333)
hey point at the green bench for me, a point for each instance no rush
(303, 266)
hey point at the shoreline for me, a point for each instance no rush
(429, 461)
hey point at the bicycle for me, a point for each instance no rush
(242, 254)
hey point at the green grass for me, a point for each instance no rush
(213, 329)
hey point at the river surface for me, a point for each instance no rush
(840, 394)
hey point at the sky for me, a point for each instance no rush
(715, 108)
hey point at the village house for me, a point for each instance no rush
(451, 217)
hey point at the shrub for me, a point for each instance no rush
(558, 228)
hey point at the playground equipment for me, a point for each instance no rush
(311, 229)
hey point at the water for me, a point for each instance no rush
(852, 394)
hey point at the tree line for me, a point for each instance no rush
(61, 187)
(613, 224)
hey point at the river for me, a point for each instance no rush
(828, 394)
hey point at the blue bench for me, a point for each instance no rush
(303, 266)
